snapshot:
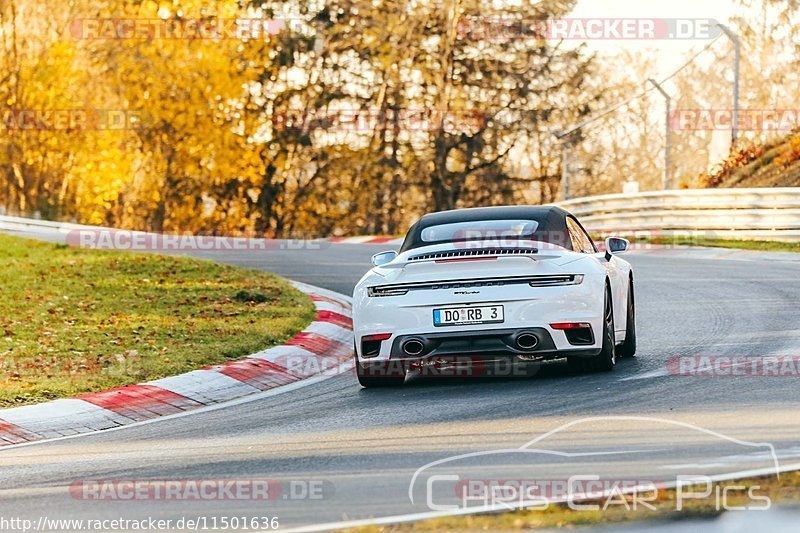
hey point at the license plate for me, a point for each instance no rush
(468, 315)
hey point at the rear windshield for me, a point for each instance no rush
(479, 230)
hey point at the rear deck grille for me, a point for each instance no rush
(478, 252)
(399, 289)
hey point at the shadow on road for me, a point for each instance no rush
(549, 371)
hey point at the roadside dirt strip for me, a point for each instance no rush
(368, 239)
(324, 347)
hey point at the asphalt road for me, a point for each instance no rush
(362, 447)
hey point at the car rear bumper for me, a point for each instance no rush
(488, 353)
(523, 344)
(535, 310)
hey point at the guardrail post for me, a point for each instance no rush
(736, 58)
(565, 169)
(564, 139)
(667, 145)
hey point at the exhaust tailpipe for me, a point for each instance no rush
(413, 347)
(527, 341)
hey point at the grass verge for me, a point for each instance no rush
(766, 246)
(75, 321)
(783, 490)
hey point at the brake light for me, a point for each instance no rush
(371, 344)
(570, 325)
(463, 259)
(376, 337)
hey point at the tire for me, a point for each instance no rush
(628, 348)
(607, 358)
(380, 374)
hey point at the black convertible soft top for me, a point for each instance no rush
(552, 222)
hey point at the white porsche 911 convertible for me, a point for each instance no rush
(513, 285)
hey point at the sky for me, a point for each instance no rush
(672, 52)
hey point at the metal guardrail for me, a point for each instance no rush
(763, 214)
(8, 223)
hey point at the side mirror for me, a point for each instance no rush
(383, 258)
(616, 245)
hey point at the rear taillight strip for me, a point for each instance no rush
(534, 281)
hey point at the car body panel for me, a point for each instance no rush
(456, 276)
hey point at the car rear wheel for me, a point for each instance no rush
(628, 348)
(607, 358)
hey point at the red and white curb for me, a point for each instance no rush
(322, 348)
